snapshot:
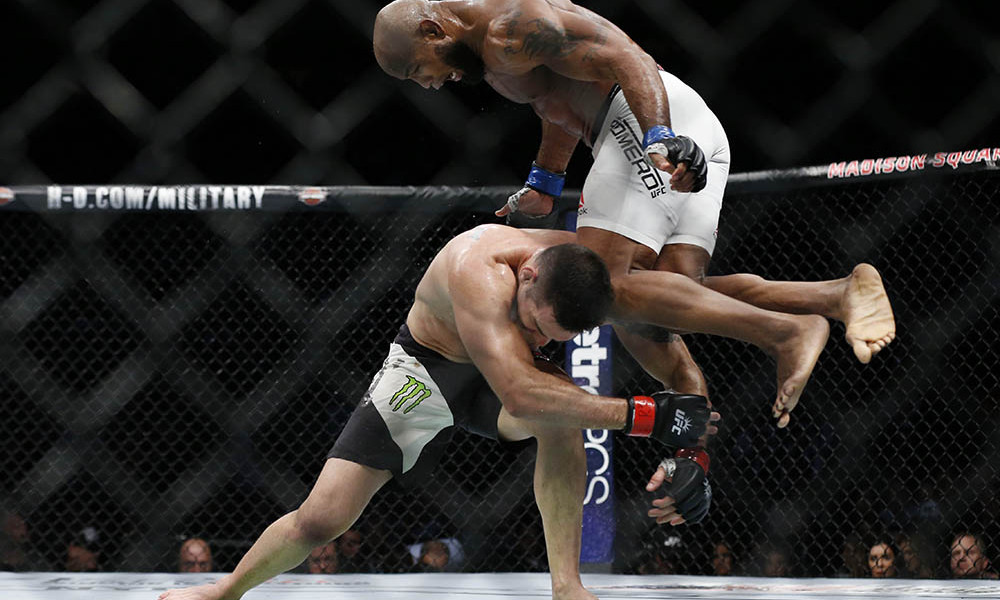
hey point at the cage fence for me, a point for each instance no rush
(178, 373)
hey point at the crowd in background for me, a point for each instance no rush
(962, 554)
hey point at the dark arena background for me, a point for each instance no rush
(171, 369)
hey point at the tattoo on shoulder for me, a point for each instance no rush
(511, 32)
(599, 40)
(548, 40)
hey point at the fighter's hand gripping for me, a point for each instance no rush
(688, 494)
(533, 206)
(677, 420)
(678, 155)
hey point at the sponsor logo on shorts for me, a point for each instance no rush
(413, 391)
(628, 141)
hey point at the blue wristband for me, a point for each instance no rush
(544, 181)
(657, 133)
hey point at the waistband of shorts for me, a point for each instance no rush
(602, 113)
(412, 347)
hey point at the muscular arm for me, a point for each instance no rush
(556, 149)
(480, 292)
(580, 45)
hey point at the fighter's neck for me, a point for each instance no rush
(517, 257)
(466, 21)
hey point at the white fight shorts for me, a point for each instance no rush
(625, 195)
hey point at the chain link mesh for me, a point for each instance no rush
(173, 375)
(288, 91)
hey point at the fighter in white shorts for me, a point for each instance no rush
(563, 60)
(624, 194)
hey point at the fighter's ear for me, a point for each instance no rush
(431, 30)
(526, 274)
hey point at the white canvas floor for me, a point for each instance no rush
(484, 586)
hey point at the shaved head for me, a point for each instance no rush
(424, 41)
(397, 29)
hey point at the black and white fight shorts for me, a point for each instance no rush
(412, 407)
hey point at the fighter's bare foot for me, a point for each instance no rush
(866, 311)
(202, 592)
(572, 593)
(796, 358)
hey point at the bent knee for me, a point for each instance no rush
(318, 527)
(694, 272)
(687, 259)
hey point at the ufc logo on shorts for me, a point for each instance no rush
(681, 423)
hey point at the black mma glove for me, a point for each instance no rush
(677, 420)
(689, 486)
(678, 149)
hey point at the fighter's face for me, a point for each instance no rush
(435, 63)
(537, 320)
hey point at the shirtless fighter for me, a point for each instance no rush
(464, 358)
(588, 81)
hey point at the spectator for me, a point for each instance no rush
(434, 557)
(723, 559)
(352, 558)
(195, 556)
(854, 557)
(396, 558)
(83, 553)
(775, 562)
(660, 553)
(16, 553)
(969, 559)
(529, 551)
(918, 558)
(456, 553)
(882, 560)
(323, 559)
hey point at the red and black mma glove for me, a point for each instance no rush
(678, 149)
(688, 483)
(677, 420)
(542, 181)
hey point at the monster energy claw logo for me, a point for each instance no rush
(412, 390)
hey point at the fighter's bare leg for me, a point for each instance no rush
(665, 359)
(342, 491)
(858, 300)
(559, 482)
(676, 302)
(661, 353)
